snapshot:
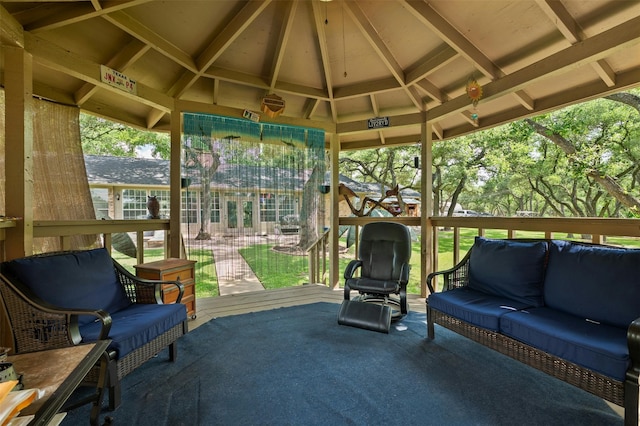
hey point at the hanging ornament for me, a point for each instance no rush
(474, 116)
(474, 91)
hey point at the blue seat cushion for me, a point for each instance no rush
(474, 307)
(599, 347)
(137, 325)
(509, 268)
(594, 282)
(73, 280)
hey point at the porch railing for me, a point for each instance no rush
(64, 230)
(597, 230)
(318, 260)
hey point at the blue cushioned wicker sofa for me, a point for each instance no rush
(67, 298)
(569, 309)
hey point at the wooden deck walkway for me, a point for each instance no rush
(242, 303)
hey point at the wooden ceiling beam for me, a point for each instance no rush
(570, 29)
(436, 23)
(133, 27)
(60, 59)
(311, 105)
(231, 32)
(281, 45)
(11, 32)
(121, 61)
(432, 91)
(371, 35)
(432, 62)
(580, 54)
(154, 117)
(182, 105)
(77, 12)
(389, 142)
(324, 55)
(222, 41)
(597, 89)
(365, 88)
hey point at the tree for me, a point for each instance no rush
(600, 142)
(103, 137)
(202, 154)
(386, 167)
(580, 161)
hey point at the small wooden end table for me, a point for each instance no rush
(58, 372)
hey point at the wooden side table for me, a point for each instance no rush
(173, 269)
(58, 372)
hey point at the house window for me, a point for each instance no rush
(134, 204)
(165, 200)
(286, 206)
(267, 207)
(215, 207)
(100, 197)
(190, 207)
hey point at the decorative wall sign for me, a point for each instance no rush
(250, 115)
(272, 105)
(378, 122)
(118, 80)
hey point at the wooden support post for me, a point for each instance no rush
(175, 234)
(18, 149)
(334, 214)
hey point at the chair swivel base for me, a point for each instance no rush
(369, 316)
(392, 303)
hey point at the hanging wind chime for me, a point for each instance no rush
(474, 92)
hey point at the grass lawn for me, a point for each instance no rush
(206, 280)
(275, 269)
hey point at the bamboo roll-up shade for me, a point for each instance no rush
(61, 189)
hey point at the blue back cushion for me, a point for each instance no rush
(509, 268)
(80, 280)
(598, 283)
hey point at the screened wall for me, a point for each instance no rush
(267, 201)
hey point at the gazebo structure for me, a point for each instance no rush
(368, 74)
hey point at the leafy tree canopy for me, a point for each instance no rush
(104, 137)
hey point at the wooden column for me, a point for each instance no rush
(18, 150)
(334, 256)
(426, 211)
(175, 233)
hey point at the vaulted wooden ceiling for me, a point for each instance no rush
(335, 63)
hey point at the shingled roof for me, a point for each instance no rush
(148, 172)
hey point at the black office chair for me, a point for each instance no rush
(383, 261)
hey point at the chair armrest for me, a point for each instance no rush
(633, 342)
(351, 268)
(38, 325)
(144, 291)
(404, 274)
(455, 277)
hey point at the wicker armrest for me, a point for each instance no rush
(633, 341)
(455, 277)
(140, 290)
(38, 325)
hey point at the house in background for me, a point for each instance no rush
(120, 187)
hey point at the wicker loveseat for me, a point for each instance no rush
(61, 299)
(569, 309)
